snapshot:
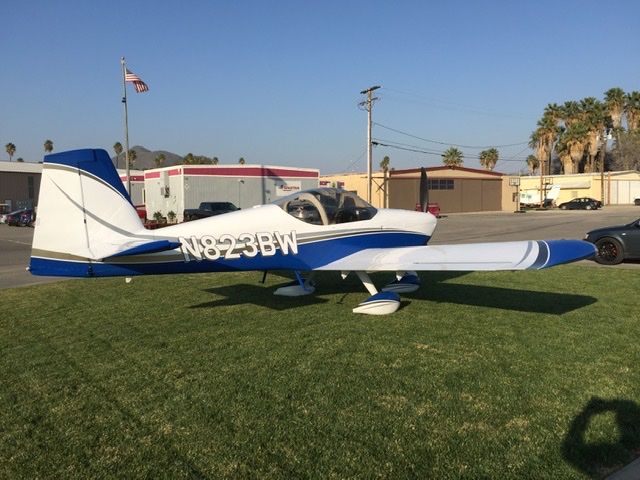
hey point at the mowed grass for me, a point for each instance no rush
(481, 375)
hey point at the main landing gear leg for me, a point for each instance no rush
(405, 282)
(298, 288)
(381, 303)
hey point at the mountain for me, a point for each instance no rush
(145, 158)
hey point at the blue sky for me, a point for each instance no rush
(279, 82)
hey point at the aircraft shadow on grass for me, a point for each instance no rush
(597, 459)
(434, 289)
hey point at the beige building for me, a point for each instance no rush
(455, 189)
(620, 188)
(357, 182)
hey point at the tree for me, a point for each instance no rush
(632, 111)
(575, 140)
(215, 161)
(452, 157)
(241, 161)
(159, 160)
(384, 163)
(532, 164)
(614, 100)
(117, 147)
(626, 152)
(189, 159)
(544, 137)
(20, 160)
(11, 149)
(48, 146)
(489, 158)
(594, 116)
(132, 158)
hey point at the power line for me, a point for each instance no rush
(453, 106)
(449, 143)
(417, 149)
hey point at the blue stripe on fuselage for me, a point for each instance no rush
(310, 256)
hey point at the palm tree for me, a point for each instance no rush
(384, 163)
(452, 157)
(543, 138)
(189, 159)
(562, 151)
(132, 158)
(159, 160)
(489, 158)
(614, 100)
(48, 146)
(241, 161)
(594, 118)
(532, 164)
(215, 161)
(632, 111)
(11, 149)
(575, 140)
(117, 147)
(571, 112)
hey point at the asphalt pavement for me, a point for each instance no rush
(15, 242)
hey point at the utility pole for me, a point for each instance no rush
(368, 104)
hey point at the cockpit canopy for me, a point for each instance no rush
(326, 206)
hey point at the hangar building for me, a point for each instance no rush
(176, 188)
(455, 189)
(19, 185)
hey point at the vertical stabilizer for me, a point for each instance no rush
(83, 212)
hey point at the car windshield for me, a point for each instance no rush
(326, 206)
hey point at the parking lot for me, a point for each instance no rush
(15, 242)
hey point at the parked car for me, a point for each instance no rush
(637, 201)
(584, 203)
(432, 208)
(19, 217)
(209, 209)
(616, 244)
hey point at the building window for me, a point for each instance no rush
(30, 187)
(440, 184)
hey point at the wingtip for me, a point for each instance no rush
(558, 252)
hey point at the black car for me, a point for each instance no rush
(616, 244)
(584, 203)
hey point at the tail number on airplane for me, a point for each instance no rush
(229, 247)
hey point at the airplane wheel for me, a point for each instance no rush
(610, 251)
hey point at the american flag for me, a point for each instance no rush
(138, 84)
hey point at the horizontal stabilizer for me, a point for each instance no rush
(147, 247)
(522, 255)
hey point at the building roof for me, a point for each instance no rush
(234, 171)
(447, 168)
(20, 167)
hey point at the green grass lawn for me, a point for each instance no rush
(483, 375)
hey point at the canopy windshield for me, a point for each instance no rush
(326, 206)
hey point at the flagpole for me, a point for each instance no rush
(126, 124)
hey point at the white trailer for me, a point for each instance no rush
(531, 197)
(180, 187)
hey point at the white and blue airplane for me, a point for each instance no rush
(87, 227)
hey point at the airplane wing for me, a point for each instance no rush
(522, 255)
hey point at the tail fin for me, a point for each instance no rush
(84, 214)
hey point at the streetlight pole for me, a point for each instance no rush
(368, 103)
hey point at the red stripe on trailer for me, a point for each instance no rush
(249, 172)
